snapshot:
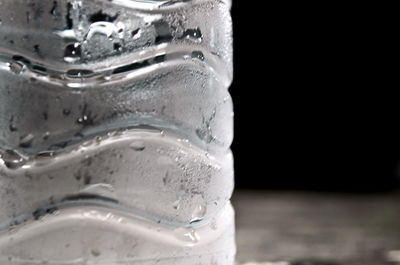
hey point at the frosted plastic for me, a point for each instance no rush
(115, 127)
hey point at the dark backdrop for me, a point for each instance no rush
(314, 107)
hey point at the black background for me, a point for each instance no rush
(315, 105)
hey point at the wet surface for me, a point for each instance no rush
(299, 228)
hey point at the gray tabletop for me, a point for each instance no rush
(298, 228)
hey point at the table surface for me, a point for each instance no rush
(301, 228)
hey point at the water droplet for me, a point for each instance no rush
(107, 77)
(36, 49)
(12, 159)
(16, 67)
(21, 59)
(102, 17)
(198, 213)
(102, 28)
(39, 69)
(163, 32)
(53, 10)
(177, 204)
(205, 135)
(26, 140)
(95, 253)
(121, 29)
(198, 55)
(68, 34)
(46, 135)
(188, 235)
(82, 119)
(86, 144)
(72, 52)
(136, 33)
(137, 145)
(78, 73)
(66, 112)
(44, 158)
(194, 34)
(98, 139)
(192, 235)
(45, 154)
(87, 179)
(11, 126)
(117, 46)
(41, 213)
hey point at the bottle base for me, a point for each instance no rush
(87, 235)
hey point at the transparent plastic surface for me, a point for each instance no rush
(115, 127)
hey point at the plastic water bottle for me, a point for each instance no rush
(115, 127)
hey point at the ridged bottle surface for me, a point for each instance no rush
(115, 127)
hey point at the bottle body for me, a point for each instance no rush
(116, 125)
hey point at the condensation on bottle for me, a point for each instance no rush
(115, 129)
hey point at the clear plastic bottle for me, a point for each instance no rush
(115, 127)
